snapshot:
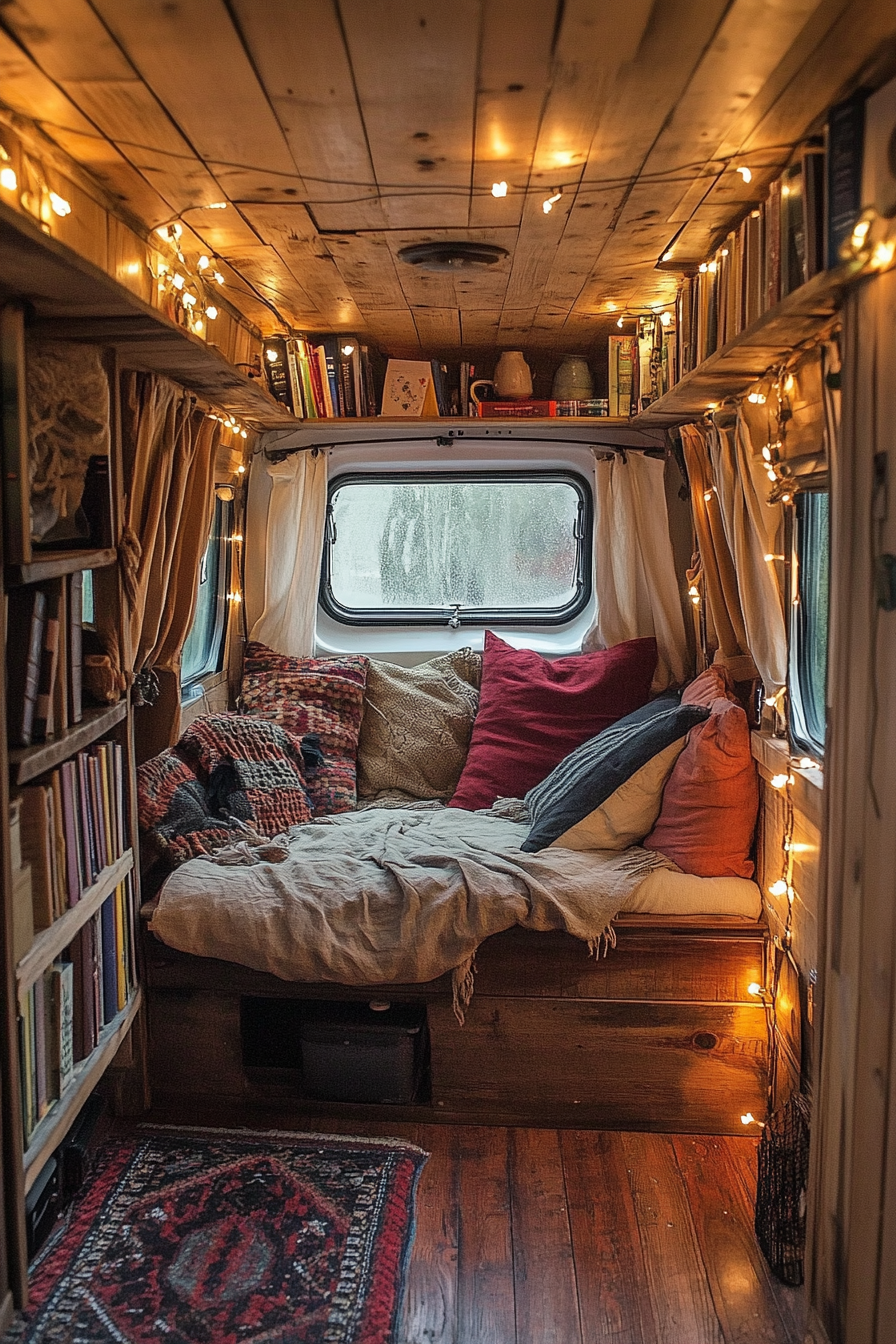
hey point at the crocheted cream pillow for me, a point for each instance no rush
(417, 724)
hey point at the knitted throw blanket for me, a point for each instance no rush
(226, 769)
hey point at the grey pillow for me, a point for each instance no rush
(589, 775)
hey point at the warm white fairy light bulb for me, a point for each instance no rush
(499, 188)
(745, 173)
(8, 179)
(203, 263)
(548, 205)
(211, 312)
(666, 318)
(60, 205)
(778, 888)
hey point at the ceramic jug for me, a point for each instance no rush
(513, 380)
(573, 381)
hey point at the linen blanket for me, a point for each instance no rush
(393, 897)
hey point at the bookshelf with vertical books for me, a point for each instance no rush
(70, 880)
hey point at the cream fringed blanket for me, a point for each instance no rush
(393, 897)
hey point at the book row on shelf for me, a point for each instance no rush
(66, 829)
(319, 381)
(44, 668)
(785, 240)
(64, 1012)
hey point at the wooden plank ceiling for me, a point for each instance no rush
(339, 131)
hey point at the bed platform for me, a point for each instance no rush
(661, 1034)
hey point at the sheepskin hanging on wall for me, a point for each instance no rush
(68, 429)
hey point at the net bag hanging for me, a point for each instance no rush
(780, 1219)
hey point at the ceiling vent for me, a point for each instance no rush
(459, 256)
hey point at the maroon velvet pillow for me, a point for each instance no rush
(534, 711)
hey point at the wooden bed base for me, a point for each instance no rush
(661, 1034)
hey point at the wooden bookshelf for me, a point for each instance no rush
(26, 763)
(761, 346)
(73, 299)
(54, 566)
(49, 943)
(52, 1129)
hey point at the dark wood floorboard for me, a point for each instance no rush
(547, 1307)
(735, 1270)
(528, 1236)
(485, 1286)
(611, 1277)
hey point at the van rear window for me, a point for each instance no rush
(495, 547)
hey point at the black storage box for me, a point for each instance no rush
(352, 1052)
(41, 1207)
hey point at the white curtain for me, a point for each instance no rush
(294, 539)
(635, 582)
(753, 529)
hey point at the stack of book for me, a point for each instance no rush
(64, 1012)
(72, 826)
(795, 233)
(323, 380)
(43, 669)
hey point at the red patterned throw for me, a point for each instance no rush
(220, 1236)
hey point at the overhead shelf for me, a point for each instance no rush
(761, 346)
(74, 299)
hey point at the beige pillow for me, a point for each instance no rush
(417, 725)
(628, 814)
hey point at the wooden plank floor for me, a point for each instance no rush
(542, 1236)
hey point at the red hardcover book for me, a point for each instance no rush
(520, 410)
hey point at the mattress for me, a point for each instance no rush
(668, 893)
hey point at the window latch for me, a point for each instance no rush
(454, 618)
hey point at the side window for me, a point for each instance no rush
(203, 652)
(809, 632)
(457, 549)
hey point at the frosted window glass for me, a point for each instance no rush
(486, 544)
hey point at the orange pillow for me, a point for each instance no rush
(711, 799)
(713, 684)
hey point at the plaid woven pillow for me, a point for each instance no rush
(324, 696)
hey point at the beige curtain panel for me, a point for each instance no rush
(169, 457)
(638, 593)
(294, 539)
(725, 623)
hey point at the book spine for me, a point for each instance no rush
(37, 849)
(74, 861)
(44, 723)
(42, 1099)
(85, 818)
(75, 647)
(332, 375)
(65, 985)
(109, 974)
(25, 632)
(346, 386)
(121, 944)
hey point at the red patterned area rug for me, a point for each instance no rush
(203, 1236)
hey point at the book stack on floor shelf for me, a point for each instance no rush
(69, 876)
(70, 831)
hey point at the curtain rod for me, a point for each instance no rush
(450, 440)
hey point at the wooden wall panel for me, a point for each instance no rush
(682, 1068)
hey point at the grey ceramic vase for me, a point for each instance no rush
(573, 381)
